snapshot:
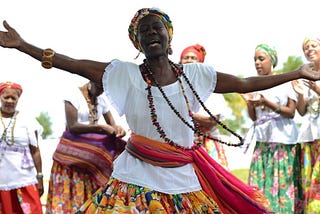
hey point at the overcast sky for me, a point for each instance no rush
(97, 29)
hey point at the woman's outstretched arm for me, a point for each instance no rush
(89, 69)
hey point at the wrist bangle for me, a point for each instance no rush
(47, 58)
(278, 109)
(39, 175)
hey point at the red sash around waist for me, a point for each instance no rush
(230, 193)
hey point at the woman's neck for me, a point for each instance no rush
(7, 114)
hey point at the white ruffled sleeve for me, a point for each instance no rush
(116, 83)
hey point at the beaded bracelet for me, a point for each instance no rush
(47, 58)
(39, 175)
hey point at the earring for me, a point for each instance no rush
(170, 50)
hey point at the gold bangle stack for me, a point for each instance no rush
(47, 58)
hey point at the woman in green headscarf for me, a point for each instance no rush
(275, 167)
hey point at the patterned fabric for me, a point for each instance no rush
(120, 197)
(72, 187)
(133, 27)
(310, 163)
(92, 152)
(219, 186)
(21, 200)
(275, 170)
(81, 164)
(218, 183)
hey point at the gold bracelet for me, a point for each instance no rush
(39, 175)
(47, 58)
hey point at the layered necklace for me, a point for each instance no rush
(93, 112)
(149, 78)
(11, 124)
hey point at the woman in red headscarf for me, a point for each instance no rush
(21, 176)
(215, 103)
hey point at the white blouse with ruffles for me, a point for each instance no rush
(127, 92)
(13, 174)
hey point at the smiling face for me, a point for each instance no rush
(153, 37)
(263, 63)
(311, 50)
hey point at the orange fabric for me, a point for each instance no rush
(231, 194)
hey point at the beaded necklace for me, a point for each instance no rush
(4, 134)
(93, 112)
(149, 78)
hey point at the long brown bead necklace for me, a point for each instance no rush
(149, 78)
(5, 131)
(93, 112)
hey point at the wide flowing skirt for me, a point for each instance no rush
(275, 169)
(120, 197)
(82, 163)
(69, 188)
(310, 163)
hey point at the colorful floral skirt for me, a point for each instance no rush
(22, 200)
(120, 197)
(69, 188)
(310, 163)
(275, 169)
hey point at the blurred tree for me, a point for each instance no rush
(45, 122)
(291, 64)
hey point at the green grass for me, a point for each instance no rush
(242, 174)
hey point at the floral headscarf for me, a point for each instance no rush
(270, 51)
(197, 49)
(13, 85)
(133, 27)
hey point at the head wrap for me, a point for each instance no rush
(133, 27)
(12, 85)
(197, 49)
(308, 39)
(270, 51)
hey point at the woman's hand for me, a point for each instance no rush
(119, 131)
(11, 38)
(307, 72)
(40, 186)
(297, 86)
